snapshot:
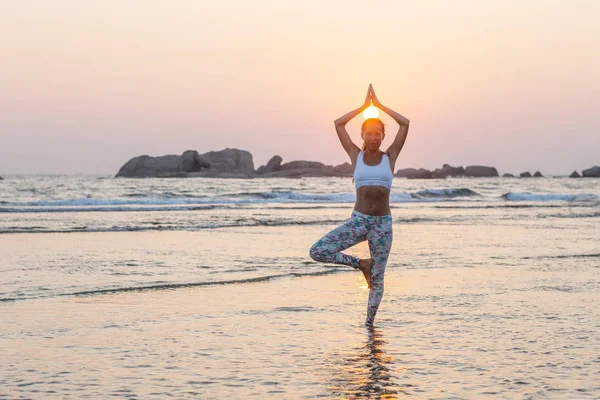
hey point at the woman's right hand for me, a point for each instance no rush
(368, 99)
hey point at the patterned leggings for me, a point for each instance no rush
(360, 227)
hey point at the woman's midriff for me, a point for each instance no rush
(373, 200)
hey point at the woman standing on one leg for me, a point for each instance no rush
(371, 219)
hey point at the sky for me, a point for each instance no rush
(85, 86)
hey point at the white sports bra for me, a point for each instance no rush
(373, 175)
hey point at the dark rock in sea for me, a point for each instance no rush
(479, 171)
(447, 171)
(191, 161)
(575, 174)
(1, 178)
(301, 165)
(412, 173)
(525, 175)
(303, 172)
(593, 172)
(346, 168)
(146, 166)
(406, 172)
(538, 174)
(228, 162)
(273, 165)
(508, 176)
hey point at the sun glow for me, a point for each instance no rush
(371, 112)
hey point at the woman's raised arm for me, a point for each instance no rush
(340, 128)
(396, 146)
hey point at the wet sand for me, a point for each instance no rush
(440, 333)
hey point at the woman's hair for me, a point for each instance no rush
(368, 121)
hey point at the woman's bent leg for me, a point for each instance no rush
(329, 248)
(380, 243)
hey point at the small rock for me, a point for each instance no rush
(538, 174)
(575, 174)
(508, 176)
(525, 174)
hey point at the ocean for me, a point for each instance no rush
(204, 288)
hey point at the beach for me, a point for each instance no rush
(485, 296)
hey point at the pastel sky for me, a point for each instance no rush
(86, 85)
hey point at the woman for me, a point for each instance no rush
(371, 219)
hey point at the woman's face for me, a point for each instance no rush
(372, 135)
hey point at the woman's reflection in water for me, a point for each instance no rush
(366, 372)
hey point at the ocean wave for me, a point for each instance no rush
(249, 198)
(239, 223)
(548, 197)
(175, 285)
(152, 201)
(447, 193)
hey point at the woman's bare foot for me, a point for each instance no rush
(365, 266)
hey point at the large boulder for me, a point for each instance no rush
(593, 172)
(405, 172)
(538, 174)
(146, 166)
(480, 171)
(413, 173)
(273, 165)
(422, 173)
(574, 174)
(301, 165)
(228, 162)
(447, 171)
(191, 161)
(345, 168)
(525, 174)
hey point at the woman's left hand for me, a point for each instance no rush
(374, 98)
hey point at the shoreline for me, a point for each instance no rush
(438, 333)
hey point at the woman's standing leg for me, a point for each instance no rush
(329, 248)
(380, 243)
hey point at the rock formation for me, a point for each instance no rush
(574, 174)
(593, 172)
(412, 173)
(273, 165)
(346, 168)
(538, 174)
(479, 171)
(228, 162)
(235, 163)
(525, 174)
(447, 171)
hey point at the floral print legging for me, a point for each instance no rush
(360, 227)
